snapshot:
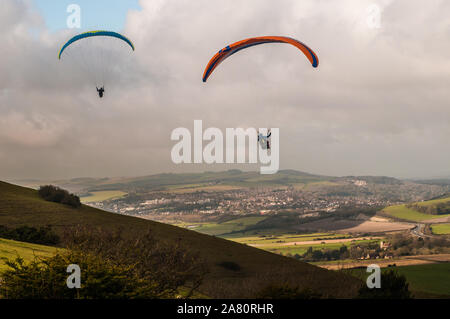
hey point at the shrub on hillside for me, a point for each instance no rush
(167, 265)
(58, 195)
(46, 278)
(43, 235)
(393, 286)
(112, 267)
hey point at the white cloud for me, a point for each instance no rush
(377, 104)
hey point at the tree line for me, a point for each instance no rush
(437, 209)
(42, 235)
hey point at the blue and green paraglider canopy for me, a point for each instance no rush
(100, 56)
(99, 33)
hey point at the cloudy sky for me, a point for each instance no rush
(379, 103)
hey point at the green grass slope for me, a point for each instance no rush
(10, 249)
(405, 213)
(22, 206)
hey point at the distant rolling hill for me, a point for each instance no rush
(440, 181)
(167, 180)
(22, 206)
(232, 178)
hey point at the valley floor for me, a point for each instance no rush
(403, 261)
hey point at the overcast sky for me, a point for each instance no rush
(378, 104)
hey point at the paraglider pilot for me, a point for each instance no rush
(264, 140)
(100, 91)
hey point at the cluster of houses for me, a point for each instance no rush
(380, 253)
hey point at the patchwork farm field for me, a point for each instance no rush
(299, 243)
(301, 249)
(279, 241)
(102, 196)
(264, 240)
(398, 261)
(217, 229)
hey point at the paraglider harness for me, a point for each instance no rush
(264, 140)
(100, 91)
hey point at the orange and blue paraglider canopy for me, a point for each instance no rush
(240, 45)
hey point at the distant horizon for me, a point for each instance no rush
(284, 170)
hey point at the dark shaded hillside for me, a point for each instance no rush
(22, 206)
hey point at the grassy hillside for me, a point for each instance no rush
(21, 206)
(10, 249)
(405, 213)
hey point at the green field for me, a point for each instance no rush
(237, 230)
(440, 229)
(434, 278)
(22, 206)
(101, 196)
(276, 243)
(234, 225)
(10, 249)
(286, 238)
(301, 249)
(402, 212)
(423, 280)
